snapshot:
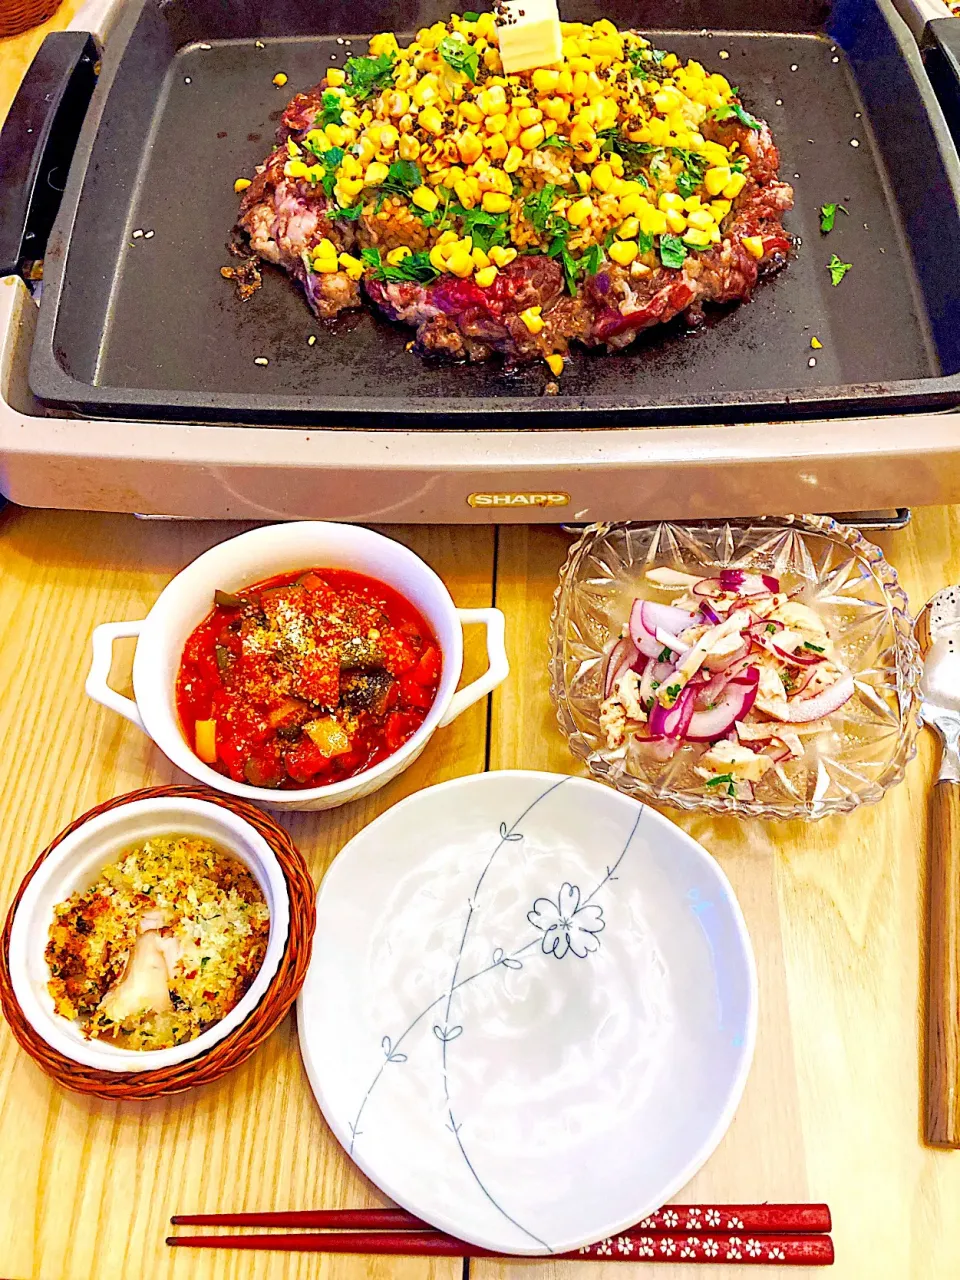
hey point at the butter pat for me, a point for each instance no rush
(530, 41)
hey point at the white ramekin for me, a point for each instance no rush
(263, 553)
(75, 864)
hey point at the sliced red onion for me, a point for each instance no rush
(737, 700)
(673, 723)
(642, 637)
(620, 659)
(801, 710)
(759, 628)
(798, 657)
(669, 641)
(714, 663)
(708, 587)
(710, 614)
(749, 584)
(667, 617)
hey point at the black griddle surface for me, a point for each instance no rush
(169, 331)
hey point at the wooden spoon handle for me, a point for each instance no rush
(943, 969)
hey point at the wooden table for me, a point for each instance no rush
(831, 1110)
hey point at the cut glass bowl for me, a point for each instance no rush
(839, 572)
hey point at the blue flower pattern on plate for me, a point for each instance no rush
(567, 926)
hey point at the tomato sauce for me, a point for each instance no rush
(306, 679)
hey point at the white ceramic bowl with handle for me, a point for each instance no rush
(74, 866)
(250, 558)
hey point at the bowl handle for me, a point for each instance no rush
(97, 685)
(498, 668)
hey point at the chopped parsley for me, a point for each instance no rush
(673, 691)
(837, 269)
(351, 214)
(470, 16)
(332, 112)
(403, 178)
(673, 252)
(416, 267)
(646, 62)
(461, 56)
(633, 154)
(330, 159)
(536, 207)
(485, 229)
(771, 629)
(645, 241)
(816, 648)
(724, 780)
(828, 216)
(665, 654)
(367, 76)
(694, 167)
(591, 259)
(733, 110)
(555, 140)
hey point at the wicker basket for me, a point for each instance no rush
(243, 1040)
(17, 16)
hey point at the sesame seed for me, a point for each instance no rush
(137, 234)
(793, 67)
(187, 80)
(779, 102)
(148, 235)
(261, 360)
(834, 59)
(812, 362)
(854, 142)
(857, 115)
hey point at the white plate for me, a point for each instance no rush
(531, 1008)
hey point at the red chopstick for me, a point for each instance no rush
(739, 1249)
(783, 1219)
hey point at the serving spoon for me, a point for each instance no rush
(938, 634)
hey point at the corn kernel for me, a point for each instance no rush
(470, 112)
(545, 80)
(336, 134)
(447, 238)
(493, 100)
(409, 147)
(425, 199)
(695, 238)
(459, 263)
(701, 219)
(531, 138)
(555, 364)
(486, 276)
(532, 319)
(431, 120)
(470, 147)
(583, 180)
(580, 211)
(438, 258)
(557, 109)
(719, 209)
(529, 116)
(691, 203)
(495, 202)
(335, 77)
(465, 193)
(396, 256)
(426, 91)
(602, 176)
(632, 203)
(512, 162)
(279, 79)
(495, 123)
(624, 251)
(501, 255)
(480, 259)
(389, 137)
(580, 82)
(628, 229)
(716, 179)
(653, 222)
(670, 200)
(816, 344)
(676, 221)
(353, 266)
(241, 184)
(498, 149)
(385, 42)
(734, 186)
(376, 173)
(325, 266)
(753, 246)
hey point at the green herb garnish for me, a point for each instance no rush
(725, 780)
(536, 207)
(461, 56)
(591, 259)
(673, 691)
(673, 252)
(665, 654)
(771, 629)
(816, 648)
(415, 267)
(828, 216)
(351, 214)
(694, 167)
(366, 76)
(403, 178)
(470, 16)
(555, 140)
(332, 112)
(733, 110)
(644, 242)
(838, 269)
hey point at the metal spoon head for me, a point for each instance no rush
(938, 634)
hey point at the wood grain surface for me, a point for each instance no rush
(943, 969)
(833, 1108)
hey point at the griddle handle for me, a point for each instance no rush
(940, 47)
(37, 142)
